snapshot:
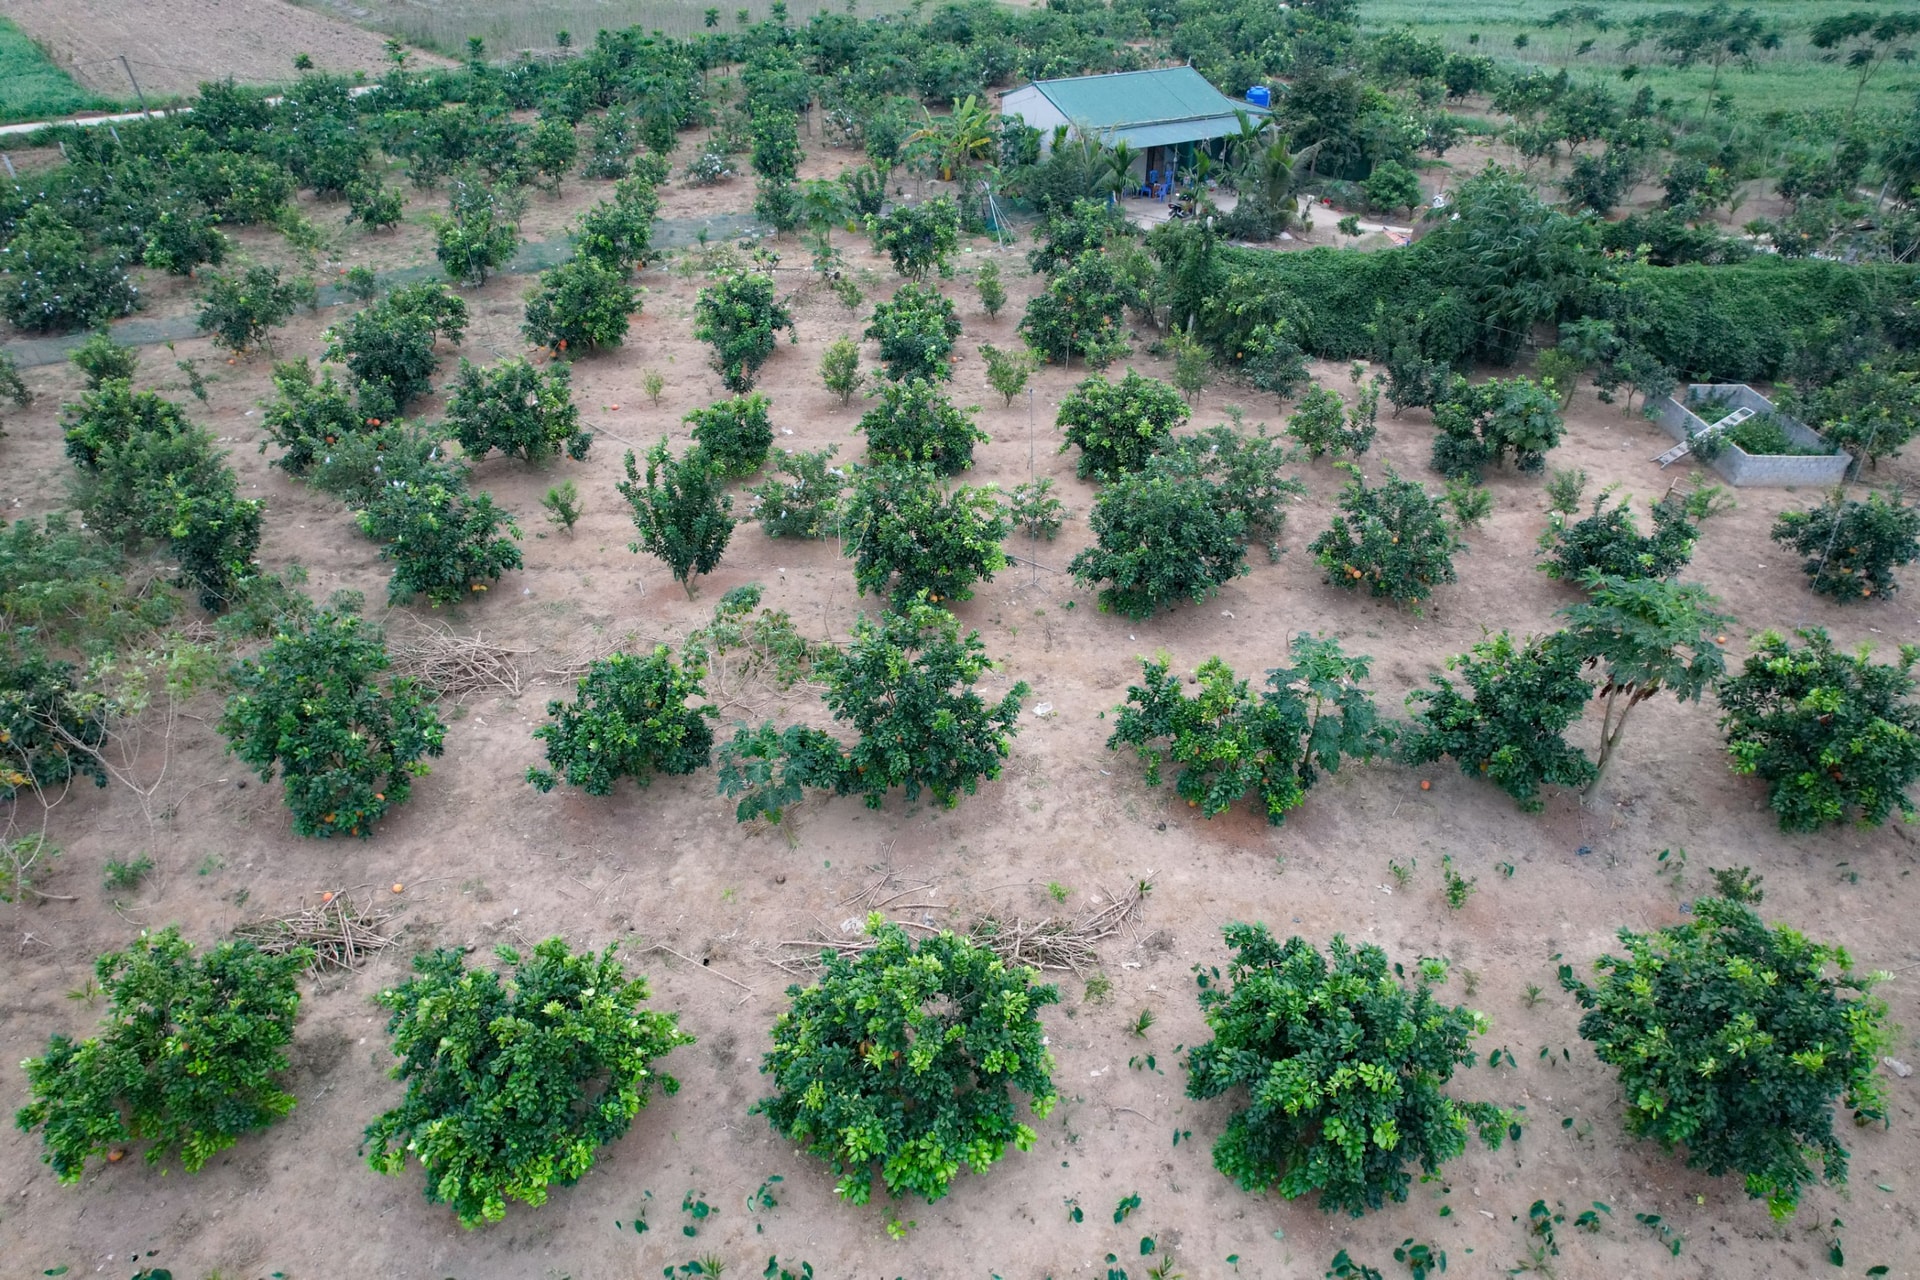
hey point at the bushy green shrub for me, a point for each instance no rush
(1734, 1040)
(993, 294)
(1344, 1068)
(1242, 470)
(190, 1057)
(581, 305)
(1607, 543)
(1482, 423)
(443, 542)
(1324, 425)
(1007, 371)
(513, 1085)
(1392, 538)
(919, 239)
(49, 733)
(1035, 510)
(374, 205)
(1229, 742)
(840, 367)
(618, 233)
(1079, 314)
(388, 346)
(1119, 426)
(240, 313)
(51, 283)
(739, 316)
(1835, 736)
(680, 511)
(1159, 538)
(1525, 696)
(310, 706)
(629, 718)
(100, 360)
(905, 1059)
(909, 537)
(806, 505)
(521, 411)
(913, 422)
(1852, 548)
(915, 329)
(735, 434)
(1085, 226)
(474, 244)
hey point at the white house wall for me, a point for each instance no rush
(1032, 106)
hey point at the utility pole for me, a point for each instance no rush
(128, 68)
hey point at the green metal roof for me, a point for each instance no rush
(1127, 101)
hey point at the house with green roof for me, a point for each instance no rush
(1162, 113)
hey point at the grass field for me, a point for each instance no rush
(445, 25)
(32, 87)
(1791, 78)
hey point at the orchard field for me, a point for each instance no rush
(1123, 887)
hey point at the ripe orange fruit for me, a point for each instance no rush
(1425, 785)
(397, 886)
(118, 1154)
(327, 897)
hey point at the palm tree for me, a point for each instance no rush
(1243, 146)
(1119, 160)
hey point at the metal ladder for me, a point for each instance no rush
(1685, 447)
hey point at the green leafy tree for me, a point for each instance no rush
(1066, 235)
(64, 587)
(840, 368)
(1160, 538)
(736, 434)
(1228, 742)
(913, 422)
(993, 294)
(1716, 35)
(1035, 510)
(1119, 426)
(1483, 423)
(474, 243)
(1871, 411)
(1525, 695)
(374, 205)
(311, 707)
(50, 732)
(388, 346)
(916, 330)
(1734, 1040)
(1648, 637)
(550, 151)
(191, 1057)
(1079, 314)
(909, 537)
(629, 718)
(1324, 425)
(240, 312)
(906, 685)
(1833, 735)
(1607, 543)
(1392, 186)
(739, 316)
(1393, 538)
(682, 515)
(519, 410)
(1290, 1025)
(51, 283)
(1243, 474)
(905, 1061)
(443, 542)
(1007, 371)
(514, 1084)
(918, 238)
(100, 360)
(618, 233)
(581, 305)
(1852, 548)
(804, 504)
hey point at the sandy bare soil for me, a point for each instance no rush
(175, 45)
(484, 860)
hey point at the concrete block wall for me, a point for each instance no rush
(1738, 467)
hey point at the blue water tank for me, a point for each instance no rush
(1260, 96)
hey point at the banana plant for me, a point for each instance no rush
(958, 140)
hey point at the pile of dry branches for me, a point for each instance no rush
(1047, 943)
(456, 666)
(340, 934)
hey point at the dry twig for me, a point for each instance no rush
(457, 666)
(340, 934)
